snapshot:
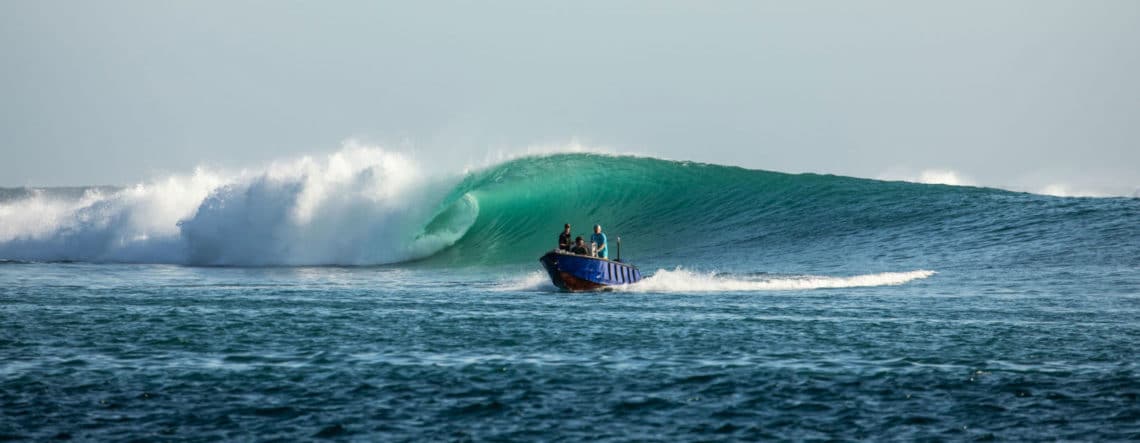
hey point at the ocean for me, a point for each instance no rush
(365, 297)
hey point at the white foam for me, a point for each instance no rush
(1064, 190)
(137, 223)
(930, 177)
(681, 280)
(685, 281)
(37, 215)
(1031, 184)
(534, 281)
(359, 205)
(499, 156)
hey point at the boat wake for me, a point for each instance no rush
(681, 280)
(536, 281)
(685, 281)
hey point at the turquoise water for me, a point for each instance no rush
(778, 307)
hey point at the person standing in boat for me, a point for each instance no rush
(599, 241)
(564, 239)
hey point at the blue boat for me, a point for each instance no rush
(573, 272)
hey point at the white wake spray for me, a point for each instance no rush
(684, 281)
(531, 282)
(681, 280)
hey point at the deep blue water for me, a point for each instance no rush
(118, 352)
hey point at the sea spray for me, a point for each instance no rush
(360, 205)
(132, 224)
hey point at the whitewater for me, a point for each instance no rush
(356, 206)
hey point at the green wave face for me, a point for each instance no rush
(522, 204)
(658, 207)
(672, 213)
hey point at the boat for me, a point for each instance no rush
(574, 272)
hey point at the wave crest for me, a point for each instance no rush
(360, 205)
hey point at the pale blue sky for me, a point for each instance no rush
(1009, 93)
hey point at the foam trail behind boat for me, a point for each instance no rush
(680, 280)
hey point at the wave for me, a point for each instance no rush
(721, 217)
(365, 206)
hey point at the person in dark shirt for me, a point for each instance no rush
(564, 239)
(579, 247)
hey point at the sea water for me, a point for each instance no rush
(361, 297)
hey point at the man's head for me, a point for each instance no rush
(597, 229)
(567, 227)
(578, 240)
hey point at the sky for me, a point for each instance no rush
(1028, 95)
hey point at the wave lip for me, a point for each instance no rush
(681, 280)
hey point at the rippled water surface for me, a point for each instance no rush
(117, 352)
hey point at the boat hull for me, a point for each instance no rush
(573, 272)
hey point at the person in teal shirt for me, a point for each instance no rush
(599, 239)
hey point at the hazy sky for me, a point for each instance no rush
(1008, 93)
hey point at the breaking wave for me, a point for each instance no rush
(365, 206)
(357, 206)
